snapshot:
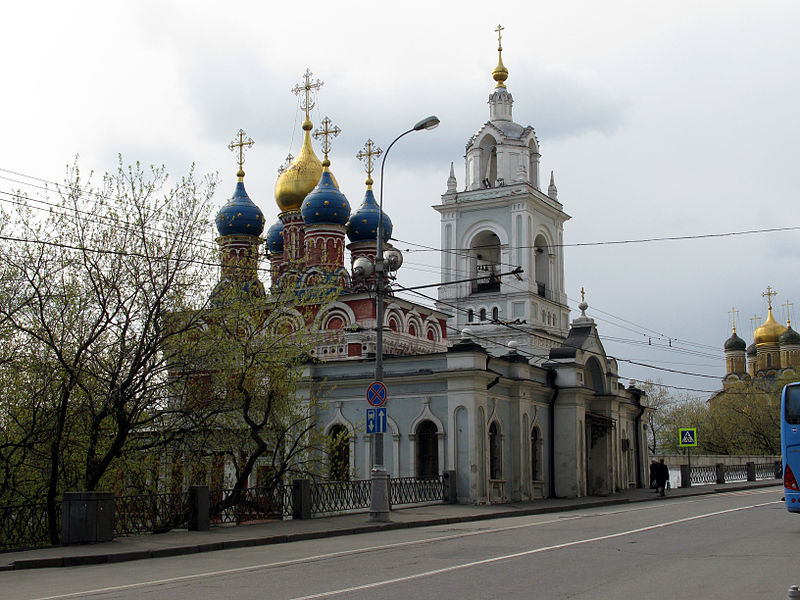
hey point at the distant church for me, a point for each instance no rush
(494, 384)
(774, 353)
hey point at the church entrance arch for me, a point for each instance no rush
(427, 450)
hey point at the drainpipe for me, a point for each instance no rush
(551, 381)
(637, 399)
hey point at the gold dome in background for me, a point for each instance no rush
(769, 332)
(302, 176)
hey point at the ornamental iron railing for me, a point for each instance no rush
(704, 474)
(247, 505)
(340, 496)
(410, 490)
(150, 513)
(769, 470)
(26, 526)
(735, 473)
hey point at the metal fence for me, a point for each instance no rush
(26, 526)
(735, 473)
(769, 470)
(704, 474)
(150, 513)
(410, 490)
(339, 496)
(248, 505)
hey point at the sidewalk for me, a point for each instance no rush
(179, 541)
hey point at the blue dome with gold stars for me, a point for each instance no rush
(274, 238)
(326, 204)
(240, 216)
(363, 224)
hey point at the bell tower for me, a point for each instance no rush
(501, 222)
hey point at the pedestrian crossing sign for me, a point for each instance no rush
(687, 437)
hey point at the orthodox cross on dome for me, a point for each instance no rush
(367, 154)
(733, 312)
(788, 306)
(306, 88)
(286, 163)
(754, 322)
(500, 73)
(769, 294)
(326, 132)
(583, 295)
(239, 144)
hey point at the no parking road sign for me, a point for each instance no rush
(687, 437)
(377, 394)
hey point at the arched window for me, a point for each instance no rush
(541, 267)
(338, 453)
(485, 254)
(495, 314)
(427, 451)
(536, 455)
(412, 330)
(495, 453)
(488, 168)
(470, 315)
(595, 375)
(482, 315)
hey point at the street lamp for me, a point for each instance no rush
(379, 495)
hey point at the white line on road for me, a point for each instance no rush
(342, 553)
(520, 554)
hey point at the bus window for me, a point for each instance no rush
(793, 405)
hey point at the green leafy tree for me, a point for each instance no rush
(85, 291)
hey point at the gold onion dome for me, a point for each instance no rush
(769, 332)
(302, 176)
(500, 73)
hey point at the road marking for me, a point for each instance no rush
(486, 561)
(294, 561)
(463, 534)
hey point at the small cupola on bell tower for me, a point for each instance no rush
(500, 101)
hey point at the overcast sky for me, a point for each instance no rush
(668, 119)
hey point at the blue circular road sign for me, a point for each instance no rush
(377, 394)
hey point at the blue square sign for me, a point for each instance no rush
(376, 420)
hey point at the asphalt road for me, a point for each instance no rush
(741, 545)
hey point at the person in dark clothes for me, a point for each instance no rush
(661, 476)
(653, 469)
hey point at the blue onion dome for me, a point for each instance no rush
(240, 216)
(274, 238)
(326, 204)
(363, 224)
(789, 337)
(735, 343)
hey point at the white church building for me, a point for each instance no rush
(494, 384)
(524, 404)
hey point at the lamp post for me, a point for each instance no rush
(379, 495)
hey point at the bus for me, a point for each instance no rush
(790, 445)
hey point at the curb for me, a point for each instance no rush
(98, 559)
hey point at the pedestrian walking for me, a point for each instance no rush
(661, 476)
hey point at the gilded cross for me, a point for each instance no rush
(788, 306)
(769, 294)
(754, 321)
(286, 163)
(583, 294)
(499, 31)
(733, 312)
(239, 144)
(369, 152)
(306, 88)
(326, 132)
